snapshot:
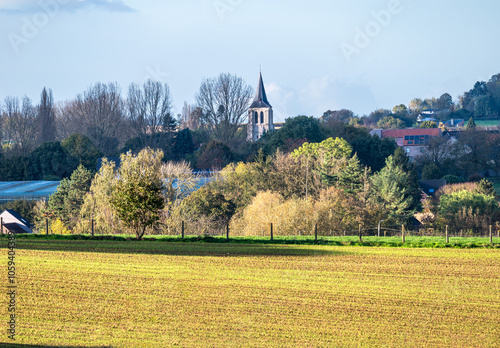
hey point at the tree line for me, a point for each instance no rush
(319, 185)
(116, 122)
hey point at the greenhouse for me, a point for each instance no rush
(27, 190)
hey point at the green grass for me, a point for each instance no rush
(410, 242)
(496, 185)
(491, 123)
(96, 293)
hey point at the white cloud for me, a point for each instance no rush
(283, 100)
(328, 93)
(33, 6)
(319, 95)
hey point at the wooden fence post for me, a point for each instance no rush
(491, 235)
(182, 229)
(47, 226)
(447, 235)
(227, 231)
(92, 227)
(403, 232)
(360, 237)
(316, 233)
(1, 225)
(272, 236)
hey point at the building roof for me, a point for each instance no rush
(401, 133)
(15, 228)
(14, 222)
(27, 190)
(260, 100)
(430, 187)
(454, 123)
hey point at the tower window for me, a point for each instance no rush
(261, 117)
(256, 117)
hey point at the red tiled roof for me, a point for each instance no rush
(401, 133)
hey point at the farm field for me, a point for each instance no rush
(160, 294)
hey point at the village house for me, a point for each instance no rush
(414, 141)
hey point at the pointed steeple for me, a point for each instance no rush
(260, 100)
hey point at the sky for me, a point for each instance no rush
(315, 55)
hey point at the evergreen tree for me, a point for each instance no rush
(183, 144)
(390, 192)
(49, 162)
(348, 174)
(82, 150)
(485, 187)
(471, 124)
(66, 202)
(403, 161)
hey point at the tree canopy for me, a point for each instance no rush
(137, 193)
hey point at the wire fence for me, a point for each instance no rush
(222, 229)
(218, 228)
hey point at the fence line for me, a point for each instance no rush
(388, 231)
(222, 229)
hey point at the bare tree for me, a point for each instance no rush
(98, 113)
(225, 101)
(191, 117)
(150, 111)
(46, 119)
(19, 125)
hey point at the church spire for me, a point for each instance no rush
(260, 100)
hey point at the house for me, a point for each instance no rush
(430, 187)
(453, 123)
(413, 140)
(14, 223)
(429, 112)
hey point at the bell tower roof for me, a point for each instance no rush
(260, 100)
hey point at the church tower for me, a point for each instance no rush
(260, 114)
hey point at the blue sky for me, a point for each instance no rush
(315, 55)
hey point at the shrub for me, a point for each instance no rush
(453, 179)
(289, 217)
(335, 212)
(57, 227)
(468, 210)
(258, 216)
(209, 203)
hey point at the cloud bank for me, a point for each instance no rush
(33, 6)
